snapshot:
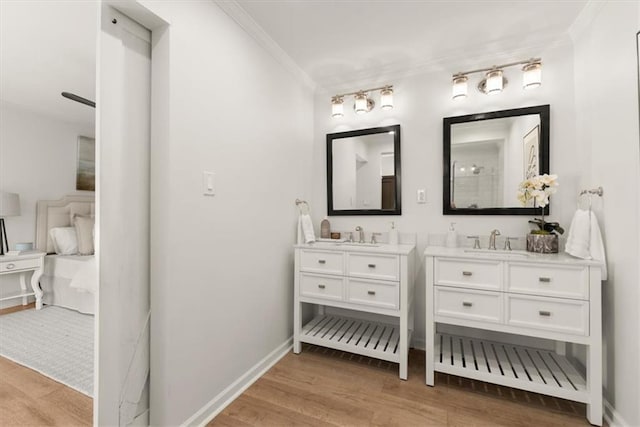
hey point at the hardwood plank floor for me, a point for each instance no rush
(324, 387)
(28, 398)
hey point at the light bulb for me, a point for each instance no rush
(386, 98)
(459, 89)
(532, 75)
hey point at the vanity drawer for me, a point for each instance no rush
(478, 274)
(374, 266)
(555, 281)
(376, 294)
(18, 265)
(325, 287)
(322, 261)
(552, 314)
(468, 304)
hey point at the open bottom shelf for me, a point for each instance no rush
(527, 368)
(373, 339)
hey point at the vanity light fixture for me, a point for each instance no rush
(494, 80)
(362, 102)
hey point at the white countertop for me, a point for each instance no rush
(379, 248)
(24, 255)
(501, 255)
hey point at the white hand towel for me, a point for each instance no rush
(585, 240)
(306, 226)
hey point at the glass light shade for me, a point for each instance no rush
(386, 98)
(361, 103)
(532, 75)
(494, 82)
(9, 204)
(337, 107)
(459, 89)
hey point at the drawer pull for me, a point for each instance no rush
(545, 279)
(321, 286)
(467, 304)
(544, 313)
(467, 273)
(371, 292)
(321, 261)
(10, 266)
(372, 266)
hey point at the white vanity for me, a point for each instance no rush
(368, 280)
(548, 296)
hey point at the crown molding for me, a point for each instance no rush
(584, 19)
(247, 23)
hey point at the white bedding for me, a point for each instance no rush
(70, 281)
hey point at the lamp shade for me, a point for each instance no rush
(532, 75)
(459, 90)
(361, 103)
(337, 107)
(494, 82)
(9, 204)
(386, 98)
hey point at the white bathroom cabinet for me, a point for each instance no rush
(374, 283)
(549, 296)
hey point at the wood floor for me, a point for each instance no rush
(28, 398)
(323, 387)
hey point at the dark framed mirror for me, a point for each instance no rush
(486, 156)
(363, 172)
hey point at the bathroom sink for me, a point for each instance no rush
(498, 252)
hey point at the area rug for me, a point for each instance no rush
(54, 341)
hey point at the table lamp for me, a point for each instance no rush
(9, 206)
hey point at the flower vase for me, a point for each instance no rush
(542, 243)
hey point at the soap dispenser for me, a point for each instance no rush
(452, 236)
(393, 234)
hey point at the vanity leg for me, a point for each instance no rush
(404, 347)
(430, 326)
(297, 308)
(23, 286)
(594, 351)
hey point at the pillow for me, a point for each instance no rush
(64, 240)
(84, 232)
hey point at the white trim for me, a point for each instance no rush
(583, 22)
(235, 389)
(613, 417)
(247, 23)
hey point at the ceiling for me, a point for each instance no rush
(47, 47)
(338, 41)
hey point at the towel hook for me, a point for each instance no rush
(303, 206)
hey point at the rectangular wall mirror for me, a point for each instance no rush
(363, 172)
(487, 155)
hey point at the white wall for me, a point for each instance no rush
(37, 161)
(222, 266)
(607, 127)
(421, 103)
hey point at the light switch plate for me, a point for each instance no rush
(421, 195)
(208, 183)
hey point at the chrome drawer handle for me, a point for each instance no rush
(467, 273)
(467, 304)
(545, 279)
(544, 313)
(321, 261)
(10, 266)
(321, 286)
(372, 266)
(371, 292)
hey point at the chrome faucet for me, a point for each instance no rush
(492, 239)
(361, 230)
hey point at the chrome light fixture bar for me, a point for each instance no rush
(362, 102)
(494, 80)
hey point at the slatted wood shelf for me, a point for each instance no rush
(373, 339)
(536, 370)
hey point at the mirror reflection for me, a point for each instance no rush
(488, 155)
(363, 171)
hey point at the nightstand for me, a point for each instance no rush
(22, 264)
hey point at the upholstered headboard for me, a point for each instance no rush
(58, 213)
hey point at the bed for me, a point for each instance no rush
(69, 281)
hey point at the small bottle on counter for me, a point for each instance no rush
(393, 234)
(325, 228)
(452, 236)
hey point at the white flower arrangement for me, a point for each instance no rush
(539, 188)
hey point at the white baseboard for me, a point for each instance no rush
(226, 396)
(613, 417)
(419, 344)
